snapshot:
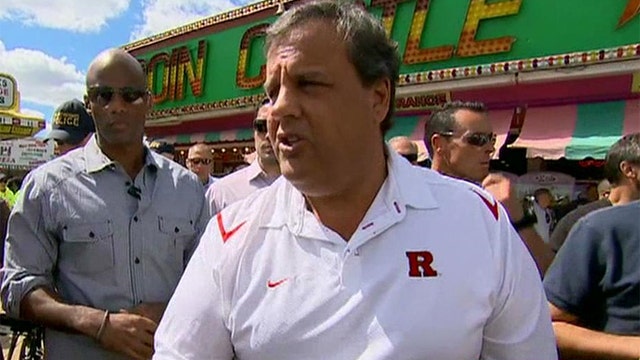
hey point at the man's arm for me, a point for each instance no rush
(519, 326)
(576, 342)
(503, 191)
(539, 250)
(28, 285)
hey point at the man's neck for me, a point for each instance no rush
(271, 169)
(624, 194)
(129, 156)
(444, 170)
(343, 212)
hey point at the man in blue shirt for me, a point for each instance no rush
(593, 286)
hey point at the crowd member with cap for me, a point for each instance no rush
(101, 237)
(163, 148)
(200, 162)
(262, 172)
(460, 138)
(71, 127)
(352, 253)
(405, 148)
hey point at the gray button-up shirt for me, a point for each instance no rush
(237, 186)
(84, 228)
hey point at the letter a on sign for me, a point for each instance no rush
(420, 264)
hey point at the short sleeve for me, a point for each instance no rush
(572, 279)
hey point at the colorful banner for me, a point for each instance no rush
(218, 62)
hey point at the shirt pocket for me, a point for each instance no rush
(177, 234)
(87, 247)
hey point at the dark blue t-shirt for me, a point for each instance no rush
(596, 274)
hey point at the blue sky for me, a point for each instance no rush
(47, 45)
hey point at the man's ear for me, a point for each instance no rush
(381, 99)
(438, 144)
(628, 170)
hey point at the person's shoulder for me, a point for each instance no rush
(175, 170)
(621, 214)
(581, 211)
(242, 219)
(59, 169)
(251, 205)
(454, 195)
(242, 175)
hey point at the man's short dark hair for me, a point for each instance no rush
(541, 191)
(626, 149)
(371, 52)
(444, 121)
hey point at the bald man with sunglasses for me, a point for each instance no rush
(102, 234)
(200, 162)
(461, 141)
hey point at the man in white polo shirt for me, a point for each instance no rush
(353, 253)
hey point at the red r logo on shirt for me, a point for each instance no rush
(420, 264)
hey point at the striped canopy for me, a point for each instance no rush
(577, 131)
(209, 137)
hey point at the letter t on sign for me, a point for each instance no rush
(420, 264)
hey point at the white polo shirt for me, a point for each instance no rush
(434, 271)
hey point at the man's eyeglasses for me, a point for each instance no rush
(410, 157)
(102, 95)
(198, 161)
(476, 139)
(260, 125)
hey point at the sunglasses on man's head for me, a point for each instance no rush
(260, 125)
(410, 157)
(197, 161)
(476, 139)
(103, 95)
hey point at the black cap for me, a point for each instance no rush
(162, 147)
(71, 122)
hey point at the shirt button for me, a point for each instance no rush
(128, 183)
(92, 235)
(176, 230)
(137, 261)
(135, 218)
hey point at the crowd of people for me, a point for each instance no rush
(331, 244)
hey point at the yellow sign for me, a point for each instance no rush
(635, 84)
(17, 131)
(8, 93)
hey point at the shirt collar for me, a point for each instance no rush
(406, 186)
(96, 160)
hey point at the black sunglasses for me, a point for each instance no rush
(476, 139)
(102, 95)
(197, 161)
(260, 125)
(410, 157)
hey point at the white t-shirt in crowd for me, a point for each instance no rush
(434, 271)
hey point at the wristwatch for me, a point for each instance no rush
(528, 220)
